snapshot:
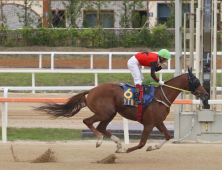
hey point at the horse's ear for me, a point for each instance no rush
(188, 73)
(190, 70)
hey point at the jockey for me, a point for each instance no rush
(148, 59)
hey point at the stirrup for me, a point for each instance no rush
(139, 102)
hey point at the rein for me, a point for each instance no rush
(172, 87)
(160, 101)
(177, 88)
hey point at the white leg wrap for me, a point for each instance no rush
(119, 145)
(99, 142)
(150, 148)
(162, 142)
(114, 138)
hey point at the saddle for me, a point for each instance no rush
(148, 93)
(146, 87)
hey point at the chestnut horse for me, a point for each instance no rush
(107, 99)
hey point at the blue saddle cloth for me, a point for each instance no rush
(128, 95)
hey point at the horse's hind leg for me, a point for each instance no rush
(89, 123)
(102, 128)
(162, 128)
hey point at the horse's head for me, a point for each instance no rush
(195, 87)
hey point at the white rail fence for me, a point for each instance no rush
(91, 54)
(109, 54)
(53, 70)
(5, 104)
(91, 70)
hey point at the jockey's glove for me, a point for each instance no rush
(161, 83)
(164, 64)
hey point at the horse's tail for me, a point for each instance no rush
(68, 109)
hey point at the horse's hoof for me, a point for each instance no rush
(119, 146)
(99, 142)
(150, 148)
(157, 147)
(120, 150)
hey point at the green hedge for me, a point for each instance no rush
(155, 37)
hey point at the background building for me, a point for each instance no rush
(109, 14)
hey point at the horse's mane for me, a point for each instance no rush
(174, 78)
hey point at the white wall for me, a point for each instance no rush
(10, 10)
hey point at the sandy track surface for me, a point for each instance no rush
(83, 155)
(23, 115)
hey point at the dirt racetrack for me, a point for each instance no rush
(83, 155)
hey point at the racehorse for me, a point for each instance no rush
(107, 99)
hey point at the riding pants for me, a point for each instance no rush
(134, 68)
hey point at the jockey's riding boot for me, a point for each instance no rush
(137, 95)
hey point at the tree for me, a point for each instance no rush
(147, 12)
(98, 5)
(25, 14)
(171, 20)
(127, 12)
(1, 14)
(49, 17)
(73, 10)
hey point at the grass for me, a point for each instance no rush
(45, 134)
(15, 79)
(66, 79)
(42, 134)
(80, 79)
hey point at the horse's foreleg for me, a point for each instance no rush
(119, 144)
(162, 128)
(146, 132)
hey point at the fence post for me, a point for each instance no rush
(110, 61)
(161, 77)
(91, 61)
(4, 117)
(168, 64)
(126, 130)
(40, 60)
(96, 79)
(33, 82)
(52, 61)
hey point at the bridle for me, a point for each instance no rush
(193, 84)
